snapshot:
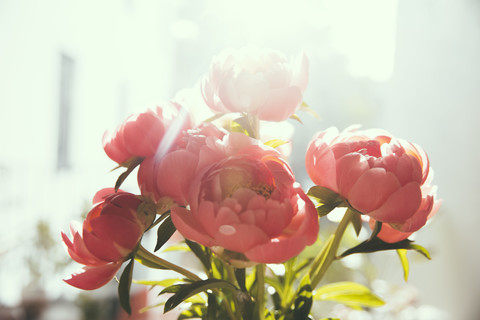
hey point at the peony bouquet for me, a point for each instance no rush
(232, 196)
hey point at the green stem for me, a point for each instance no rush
(260, 299)
(331, 247)
(144, 254)
(233, 280)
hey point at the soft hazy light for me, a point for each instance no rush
(184, 29)
(361, 31)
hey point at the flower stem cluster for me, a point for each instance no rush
(234, 199)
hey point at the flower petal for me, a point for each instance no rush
(91, 278)
(189, 227)
(372, 189)
(400, 206)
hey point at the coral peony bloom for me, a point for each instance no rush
(111, 231)
(247, 206)
(169, 176)
(259, 82)
(141, 134)
(379, 175)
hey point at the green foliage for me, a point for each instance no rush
(160, 283)
(130, 167)
(124, 287)
(327, 199)
(402, 254)
(275, 143)
(202, 253)
(303, 301)
(183, 291)
(356, 221)
(349, 293)
(296, 118)
(376, 244)
(164, 232)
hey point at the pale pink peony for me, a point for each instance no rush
(141, 134)
(258, 82)
(247, 206)
(111, 231)
(379, 175)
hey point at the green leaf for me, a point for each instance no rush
(194, 312)
(131, 166)
(376, 229)
(269, 315)
(164, 232)
(324, 195)
(375, 244)
(184, 291)
(124, 287)
(327, 199)
(303, 302)
(348, 293)
(202, 254)
(356, 221)
(179, 247)
(240, 275)
(402, 254)
(420, 250)
(275, 143)
(212, 307)
(296, 118)
(306, 108)
(161, 283)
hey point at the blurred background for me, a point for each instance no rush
(69, 70)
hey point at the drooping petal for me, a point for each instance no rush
(277, 250)
(91, 278)
(190, 228)
(240, 237)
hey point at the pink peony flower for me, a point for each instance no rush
(379, 175)
(111, 231)
(169, 176)
(141, 134)
(259, 82)
(247, 207)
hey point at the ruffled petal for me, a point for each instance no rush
(321, 165)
